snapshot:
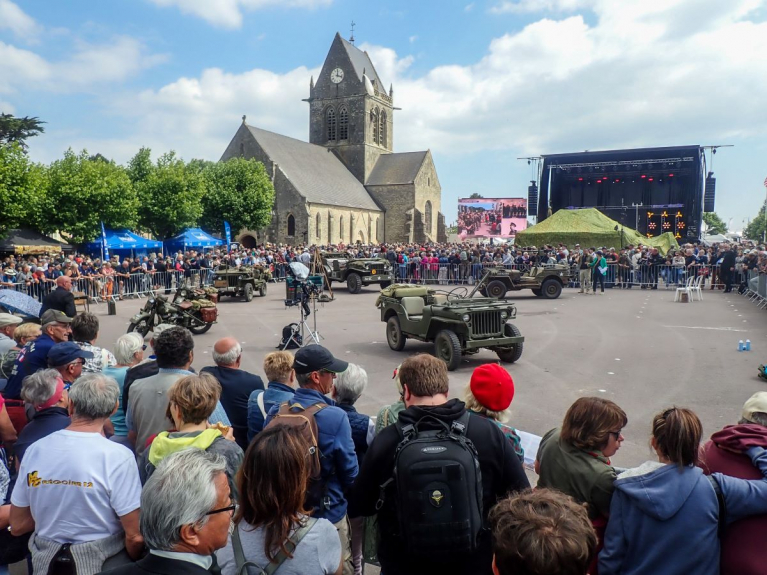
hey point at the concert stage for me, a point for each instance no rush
(653, 190)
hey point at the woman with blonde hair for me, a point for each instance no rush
(665, 515)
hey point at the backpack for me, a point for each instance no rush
(439, 489)
(289, 340)
(291, 544)
(295, 415)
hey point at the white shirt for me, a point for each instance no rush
(77, 486)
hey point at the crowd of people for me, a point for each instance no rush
(126, 461)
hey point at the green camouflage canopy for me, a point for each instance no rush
(590, 228)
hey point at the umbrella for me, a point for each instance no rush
(15, 301)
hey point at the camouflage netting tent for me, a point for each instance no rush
(588, 227)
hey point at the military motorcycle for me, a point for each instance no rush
(187, 309)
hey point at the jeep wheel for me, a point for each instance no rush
(483, 292)
(447, 347)
(551, 289)
(248, 292)
(262, 290)
(394, 335)
(385, 284)
(537, 292)
(354, 283)
(496, 289)
(513, 353)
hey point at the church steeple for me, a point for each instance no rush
(350, 111)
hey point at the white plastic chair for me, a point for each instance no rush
(696, 289)
(686, 289)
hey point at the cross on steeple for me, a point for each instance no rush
(351, 38)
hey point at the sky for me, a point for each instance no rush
(479, 83)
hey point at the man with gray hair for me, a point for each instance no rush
(186, 509)
(236, 385)
(78, 491)
(744, 540)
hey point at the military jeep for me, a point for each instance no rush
(544, 281)
(357, 272)
(458, 325)
(242, 281)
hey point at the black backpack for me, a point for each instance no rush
(287, 332)
(439, 489)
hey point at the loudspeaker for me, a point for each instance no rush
(532, 199)
(710, 194)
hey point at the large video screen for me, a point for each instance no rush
(491, 217)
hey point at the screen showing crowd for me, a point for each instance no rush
(491, 217)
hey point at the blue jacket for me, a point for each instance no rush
(360, 424)
(274, 394)
(663, 520)
(33, 357)
(339, 461)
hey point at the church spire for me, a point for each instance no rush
(391, 90)
(311, 84)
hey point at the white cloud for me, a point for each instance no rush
(413, 39)
(229, 13)
(17, 21)
(527, 6)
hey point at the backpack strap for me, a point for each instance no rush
(279, 559)
(239, 555)
(260, 402)
(722, 505)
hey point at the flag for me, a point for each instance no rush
(104, 245)
(228, 234)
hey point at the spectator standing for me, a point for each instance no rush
(146, 368)
(664, 515)
(425, 384)
(85, 332)
(278, 367)
(389, 414)
(541, 532)
(316, 368)
(271, 514)
(129, 351)
(599, 270)
(46, 392)
(236, 385)
(61, 298)
(744, 540)
(727, 267)
(191, 402)
(186, 509)
(81, 491)
(8, 325)
(489, 395)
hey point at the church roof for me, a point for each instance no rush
(392, 169)
(315, 171)
(361, 62)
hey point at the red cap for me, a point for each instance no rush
(492, 386)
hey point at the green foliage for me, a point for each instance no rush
(755, 229)
(22, 188)
(17, 130)
(82, 193)
(476, 196)
(715, 224)
(238, 191)
(169, 194)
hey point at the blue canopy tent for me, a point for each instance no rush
(192, 238)
(124, 241)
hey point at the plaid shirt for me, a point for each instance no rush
(100, 355)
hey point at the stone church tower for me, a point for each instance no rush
(349, 110)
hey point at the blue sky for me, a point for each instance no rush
(479, 83)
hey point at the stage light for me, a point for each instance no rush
(616, 181)
(643, 176)
(671, 175)
(649, 179)
(580, 179)
(599, 181)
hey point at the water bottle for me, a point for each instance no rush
(748, 345)
(741, 345)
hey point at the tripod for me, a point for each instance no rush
(302, 327)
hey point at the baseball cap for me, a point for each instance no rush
(315, 358)
(66, 352)
(8, 319)
(52, 315)
(757, 403)
(492, 386)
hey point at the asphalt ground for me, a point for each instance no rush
(635, 347)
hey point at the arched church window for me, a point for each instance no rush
(382, 130)
(427, 216)
(343, 123)
(341, 228)
(374, 121)
(378, 229)
(242, 150)
(318, 223)
(291, 225)
(330, 123)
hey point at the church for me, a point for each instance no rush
(346, 184)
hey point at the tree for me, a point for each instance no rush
(476, 196)
(238, 191)
(169, 194)
(83, 193)
(756, 228)
(17, 130)
(715, 224)
(22, 188)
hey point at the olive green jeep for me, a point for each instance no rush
(357, 272)
(242, 281)
(544, 281)
(457, 325)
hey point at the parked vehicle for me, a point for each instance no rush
(357, 272)
(242, 281)
(189, 308)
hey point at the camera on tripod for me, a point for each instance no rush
(300, 292)
(303, 289)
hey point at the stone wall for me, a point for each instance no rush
(343, 225)
(428, 189)
(396, 201)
